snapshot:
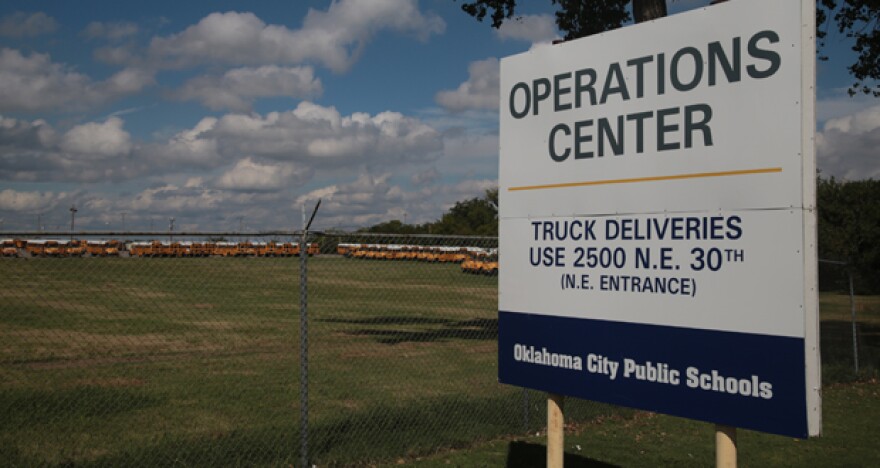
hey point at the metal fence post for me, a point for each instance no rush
(852, 306)
(304, 335)
(304, 345)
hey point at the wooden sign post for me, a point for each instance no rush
(555, 430)
(725, 446)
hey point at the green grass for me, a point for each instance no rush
(837, 337)
(851, 409)
(118, 362)
(850, 415)
(142, 361)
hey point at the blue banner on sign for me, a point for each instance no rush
(736, 379)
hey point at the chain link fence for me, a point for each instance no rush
(172, 349)
(116, 357)
(404, 350)
(850, 326)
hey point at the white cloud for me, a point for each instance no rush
(838, 103)
(25, 148)
(34, 83)
(173, 199)
(469, 154)
(237, 88)
(371, 199)
(15, 201)
(860, 123)
(426, 177)
(315, 195)
(332, 38)
(197, 207)
(362, 202)
(311, 137)
(847, 146)
(97, 140)
(320, 136)
(21, 134)
(474, 188)
(480, 91)
(22, 24)
(532, 28)
(124, 82)
(251, 176)
(115, 55)
(112, 30)
(194, 182)
(94, 151)
(190, 148)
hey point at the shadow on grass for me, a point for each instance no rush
(381, 433)
(361, 438)
(526, 455)
(32, 407)
(384, 431)
(390, 320)
(430, 330)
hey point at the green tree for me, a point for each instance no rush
(575, 18)
(395, 226)
(475, 217)
(858, 20)
(849, 227)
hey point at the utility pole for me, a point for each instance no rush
(73, 211)
(171, 229)
(123, 221)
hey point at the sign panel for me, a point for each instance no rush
(657, 217)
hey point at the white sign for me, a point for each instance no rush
(658, 182)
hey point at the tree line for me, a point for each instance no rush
(849, 229)
(477, 216)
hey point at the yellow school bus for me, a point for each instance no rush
(75, 248)
(8, 248)
(103, 248)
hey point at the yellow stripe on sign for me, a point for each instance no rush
(695, 175)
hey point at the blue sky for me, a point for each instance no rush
(225, 113)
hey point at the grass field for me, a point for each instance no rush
(118, 362)
(850, 415)
(149, 361)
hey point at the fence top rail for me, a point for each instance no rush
(67, 234)
(399, 236)
(217, 234)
